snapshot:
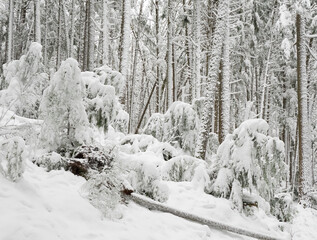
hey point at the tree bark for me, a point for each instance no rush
(304, 160)
(37, 21)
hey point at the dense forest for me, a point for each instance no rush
(224, 91)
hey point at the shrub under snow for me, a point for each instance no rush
(12, 157)
(179, 126)
(103, 190)
(144, 177)
(103, 106)
(249, 161)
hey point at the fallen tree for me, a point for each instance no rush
(153, 205)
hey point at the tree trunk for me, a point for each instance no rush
(10, 32)
(197, 50)
(169, 63)
(37, 21)
(59, 35)
(224, 96)
(157, 32)
(304, 160)
(125, 45)
(105, 33)
(72, 30)
(91, 36)
(218, 38)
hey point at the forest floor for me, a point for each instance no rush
(48, 205)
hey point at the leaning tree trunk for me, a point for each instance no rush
(304, 160)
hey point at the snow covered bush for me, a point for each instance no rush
(12, 157)
(282, 207)
(154, 126)
(103, 190)
(50, 161)
(144, 177)
(65, 120)
(249, 161)
(26, 83)
(103, 106)
(149, 183)
(107, 76)
(135, 143)
(187, 168)
(179, 126)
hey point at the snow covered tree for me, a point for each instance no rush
(62, 107)
(26, 82)
(249, 162)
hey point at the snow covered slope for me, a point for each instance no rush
(48, 205)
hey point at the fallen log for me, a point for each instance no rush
(153, 205)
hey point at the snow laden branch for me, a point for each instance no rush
(153, 205)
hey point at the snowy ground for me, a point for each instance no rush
(48, 205)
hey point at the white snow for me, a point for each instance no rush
(48, 205)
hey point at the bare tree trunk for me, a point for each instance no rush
(86, 38)
(304, 160)
(125, 45)
(105, 42)
(169, 73)
(197, 50)
(37, 21)
(91, 36)
(157, 32)
(72, 30)
(59, 35)
(10, 32)
(224, 96)
(45, 60)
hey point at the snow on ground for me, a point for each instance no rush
(48, 205)
(304, 224)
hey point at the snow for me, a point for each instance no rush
(48, 205)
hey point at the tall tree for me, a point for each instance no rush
(59, 34)
(37, 21)
(169, 63)
(304, 159)
(217, 46)
(197, 49)
(91, 36)
(10, 32)
(125, 44)
(224, 93)
(105, 33)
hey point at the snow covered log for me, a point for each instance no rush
(153, 205)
